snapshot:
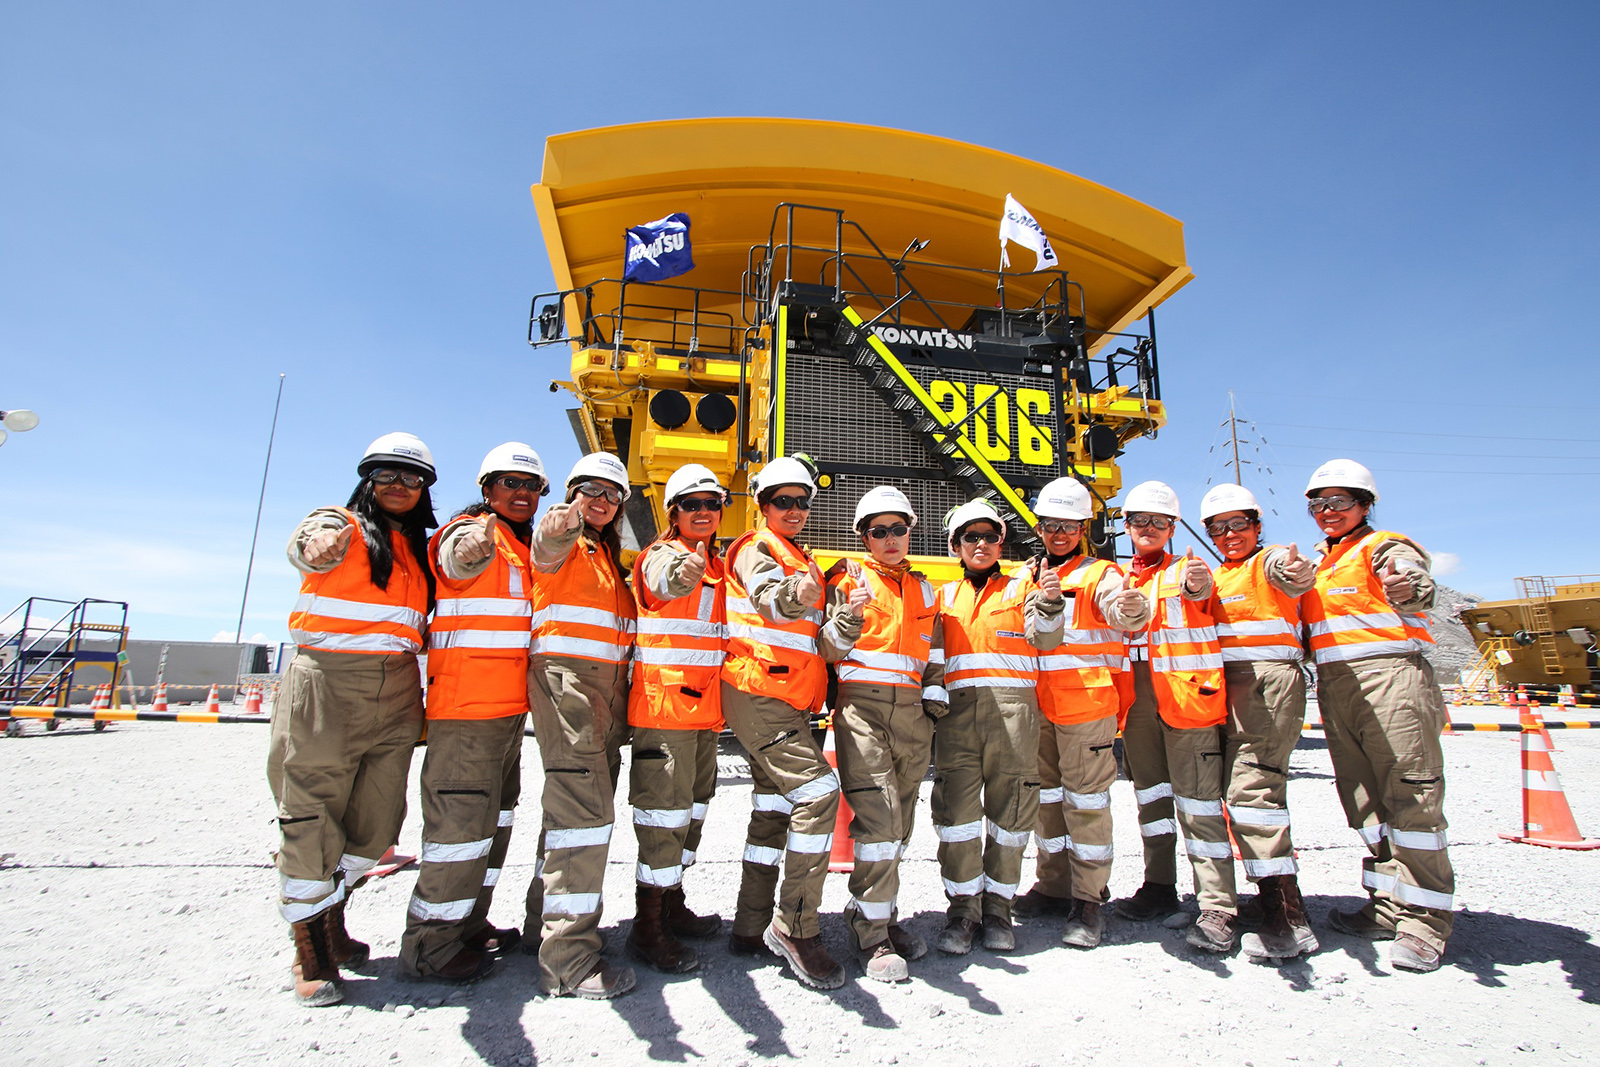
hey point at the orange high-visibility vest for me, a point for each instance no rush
(1083, 679)
(1255, 619)
(984, 640)
(1182, 647)
(1346, 613)
(583, 610)
(896, 641)
(342, 611)
(771, 659)
(677, 663)
(478, 643)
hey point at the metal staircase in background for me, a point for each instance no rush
(1537, 592)
(52, 639)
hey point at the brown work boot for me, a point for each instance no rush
(1036, 903)
(748, 945)
(907, 944)
(679, 920)
(347, 952)
(957, 936)
(1363, 923)
(651, 942)
(1294, 912)
(1213, 932)
(998, 935)
(1152, 900)
(603, 983)
(316, 976)
(1275, 938)
(807, 958)
(884, 964)
(1253, 911)
(494, 941)
(468, 965)
(1410, 953)
(1085, 926)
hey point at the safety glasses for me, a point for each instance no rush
(1318, 504)
(512, 483)
(1217, 529)
(1060, 526)
(692, 504)
(1152, 522)
(595, 489)
(878, 533)
(788, 503)
(980, 537)
(409, 479)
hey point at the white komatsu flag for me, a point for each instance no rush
(1019, 226)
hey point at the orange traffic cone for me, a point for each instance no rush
(1529, 718)
(161, 698)
(213, 704)
(252, 702)
(1546, 817)
(102, 697)
(843, 858)
(390, 862)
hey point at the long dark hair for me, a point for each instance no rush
(523, 530)
(374, 522)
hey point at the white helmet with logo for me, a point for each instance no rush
(693, 478)
(401, 450)
(1064, 498)
(601, 465)
(965, 515)
(1221, 499)
(1152, 498)
(785, 470)
(881, 500)
(513, 457)
(1342, 474)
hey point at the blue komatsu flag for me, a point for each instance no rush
(659, 250)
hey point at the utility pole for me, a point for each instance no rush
(1233, 431)
(238, 637)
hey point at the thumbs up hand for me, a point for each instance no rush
(1050, 584)
(476, 543)
(327, 546)
(694, 567)
(1396, 586)
(809, 589)
(1130, 602)
(559, 521)
(1195, 572)
(860, 597)
(1296, 567)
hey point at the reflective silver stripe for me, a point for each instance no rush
(609, 620)
(439, 639)
(1159, 791)
(763, 635)
(1063, 661)
(1255, 628)
(1271, 868)
(1423, 840)
(999, 889)
(968, 888)
(305, 888)
(358, 611)
(936, 693)
(1197, 808)
(1050, 623)
(1541, 781)
(1363, 649)
(1158, 828)
(446, 911)
(491, 877)
(571, 903)
(1211, 850)
(355, 865)
(990, 661)
(482, 605)
(741, 604)
(688, 858)
(678, 627)
(1377, 620)
(1419, 621)
(433, 852)
(1092, 853)
(887, 661)
(577, 837)
(1008, 838)
(1373, 835)
(553, 645)
(1206, 661)
(1258, 816)
(936, 655)
(814, 789)
(808, 843)
(514, 586)
(766, 857)
(1053, 795)
(658, 876)
(708, 600)
(1138, 652)
(850, 672)
(354, 642)
(678, 657)
(876, 851)
(1185, 635)
(1260, 653)
(1091, 637)
(697, 811)
(1050, 844)
(1407, 893)
(667, 818)
(1089, 801)
(876, 910)
(507, 817)
(965, 831)
(985, 682)
(770, 802)
(300, 912)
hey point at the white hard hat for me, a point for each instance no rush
(513, 457)
(602, 465)
(880, 500)
(1064, 498)
(1152, 498)
(965, 515)
(399, 450)
(785, 470)
(1221, 499)
(693, 478)
(1342, 474)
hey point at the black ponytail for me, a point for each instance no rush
(374, 523)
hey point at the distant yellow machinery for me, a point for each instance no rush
(804, 327)
(1545, 637)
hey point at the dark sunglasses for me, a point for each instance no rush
(1217, 529)
(1318, 504)
(786, 503)
(1060, 526)
(409, 479)
(596, 489)
(693, 504)
(974, 537)
(513, 483)
(878, 533)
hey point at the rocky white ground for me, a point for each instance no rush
(140, 930)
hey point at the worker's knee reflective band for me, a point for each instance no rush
(1159, 791)
(1008, 838)
(766, 857)
(1050, 844)
(507, 817)
(579, 837)
(1051, 796)
(1091, 853)
(1373, 835)
(808, 843)
(1198, 808)
(814, 789)
(571, 903)
(664, 818)
(971, 887)
(876, 851)
(355, 866)
(491, 877)
(876, 910)
(1210, 850)
(1271, 868)
(1158, 828)
(966, 831)
(999, 889)
(1258, 816)
(434, 852)
(447, 911)
(305, 888)
(666, 877)
(1423, 840)
(1406, 893)
(771, 802)
(1089, 801)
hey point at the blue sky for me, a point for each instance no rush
(1390, 212)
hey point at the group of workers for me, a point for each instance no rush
(1015, 680)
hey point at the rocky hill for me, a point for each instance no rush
(1453, 649)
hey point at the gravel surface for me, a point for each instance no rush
(144, 932)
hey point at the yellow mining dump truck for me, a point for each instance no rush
(1545, 637)
(846, 303)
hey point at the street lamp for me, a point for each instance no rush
(17, 421)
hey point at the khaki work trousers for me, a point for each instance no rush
(884, 741)
(671, 781)
(794, 803)
(986, 760)
(1182, 770)
(1266, 708)
(471, 780)
(1077, 765)
(580, 719)
(1383, 715)
(343, 729)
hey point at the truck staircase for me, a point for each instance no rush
(52, 641)
(1538, 593)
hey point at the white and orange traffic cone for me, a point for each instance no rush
(213, 703)
(1546, 817)
(161, 698)
(1529, 718)
(842, 860)
(252, 702)
(390, 862)
(102, 697)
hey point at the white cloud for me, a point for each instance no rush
(1445, 563)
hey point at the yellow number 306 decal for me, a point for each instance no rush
(990, 428)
